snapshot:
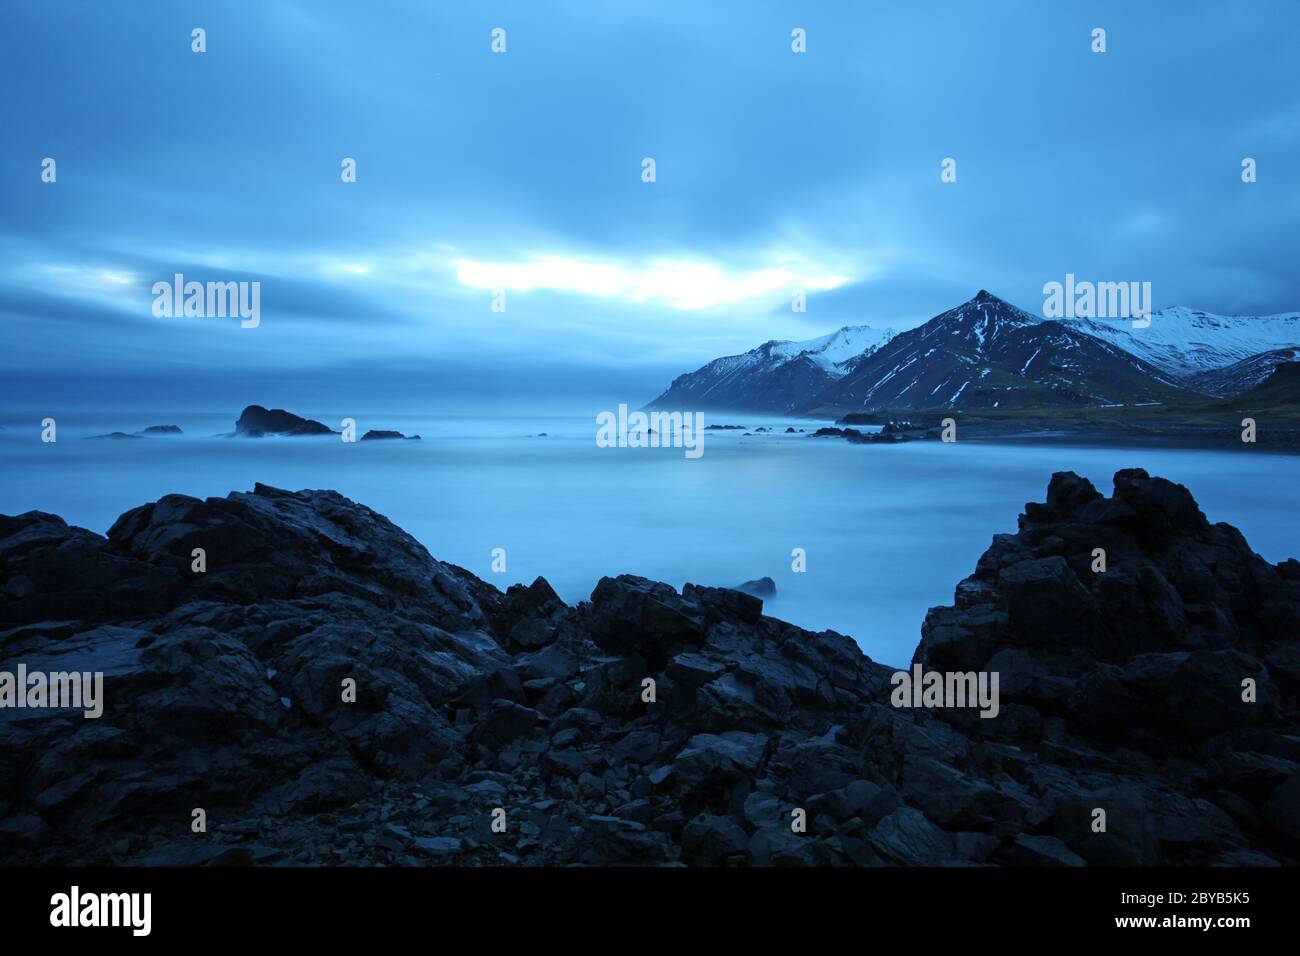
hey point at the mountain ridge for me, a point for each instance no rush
(774, 376)
(989, 354)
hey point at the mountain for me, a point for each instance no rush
(986, 353)
(775, 377)
(1242, 376)
(1282, 387)
(1186, 343)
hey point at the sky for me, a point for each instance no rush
(523, 171)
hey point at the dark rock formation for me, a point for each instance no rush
(891, 433)
(256, 422)
(856, 437)
(375, 435)
(228, 690)
(151, 430)
(761, 587)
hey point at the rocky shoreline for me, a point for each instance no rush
(644, 726)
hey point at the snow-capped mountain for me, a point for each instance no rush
(986, 353)
(1242, 376)
(1280, 389)
(775, 377)
(1186, 343)
(836, 351)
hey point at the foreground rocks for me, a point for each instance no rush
(645, 726)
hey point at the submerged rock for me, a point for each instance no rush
(1157, 687)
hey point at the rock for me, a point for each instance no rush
(232, 856)
(256, 422)
(710, 840)
(506, 721)
(947, 796)
(906, 837)
(632, 615)
(1282, 810)
(23, 830)
(715, 760)
(161, 430)
(376, 435)
(439, 847)
(760, 588)
(1162, 690)
(781, 847)
(615, 840)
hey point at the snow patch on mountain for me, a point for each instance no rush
(834, 352)
(775, 376)
(1186, 342)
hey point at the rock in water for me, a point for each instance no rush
(256, 421)
(375, 435)
(1148, 670)
(761, 588)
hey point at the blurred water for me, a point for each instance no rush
(888, 530)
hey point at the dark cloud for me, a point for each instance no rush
(1123, 165)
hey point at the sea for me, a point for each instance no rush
(885, 531)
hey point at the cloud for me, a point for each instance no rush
(775, 171)
(683, 284)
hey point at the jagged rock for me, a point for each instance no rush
(906, 837)
(636, 616)
(331, 693)
(506, 721)
(710, 840)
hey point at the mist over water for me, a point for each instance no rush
(888, 530)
